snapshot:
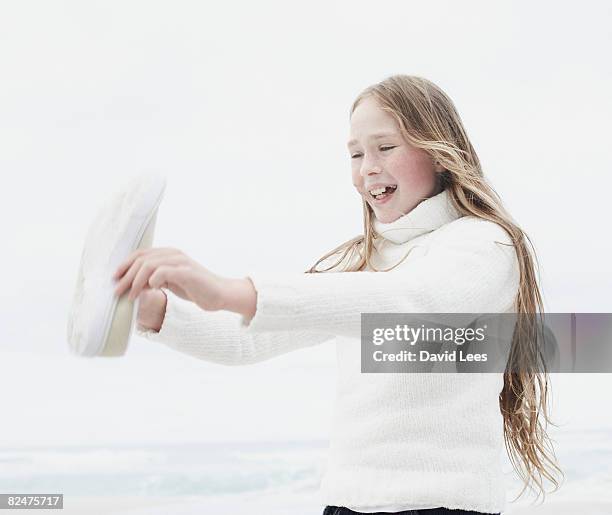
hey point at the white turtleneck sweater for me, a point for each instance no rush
(399, 441)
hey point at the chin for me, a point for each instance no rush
(386, 218)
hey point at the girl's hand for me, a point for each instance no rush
(151, 309)
(172, 269)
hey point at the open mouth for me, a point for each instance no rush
(381, 194)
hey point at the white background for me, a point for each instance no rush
(244, 107)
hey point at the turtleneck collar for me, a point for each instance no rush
(427, 216)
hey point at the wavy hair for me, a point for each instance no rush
(429, 120)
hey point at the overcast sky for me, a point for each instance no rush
(244, 107)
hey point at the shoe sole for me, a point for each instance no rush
(100, 324)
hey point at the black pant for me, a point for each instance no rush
(339, 510)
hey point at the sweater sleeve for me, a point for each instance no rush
(471, 268)
(219, 337)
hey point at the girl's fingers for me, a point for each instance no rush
(142, 277)
(128, 262)
(126, 281)
(136, 254)
(161, 276)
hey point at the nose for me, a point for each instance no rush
(369, 168)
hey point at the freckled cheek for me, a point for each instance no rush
(409, 171)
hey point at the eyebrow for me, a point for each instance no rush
(374, 136)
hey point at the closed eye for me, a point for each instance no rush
(384, 149)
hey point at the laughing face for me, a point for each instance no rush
(392, 175)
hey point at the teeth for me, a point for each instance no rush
(379, 191)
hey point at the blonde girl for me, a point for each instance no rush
(401, 443)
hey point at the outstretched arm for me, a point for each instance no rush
(473, 268)
(219, 336)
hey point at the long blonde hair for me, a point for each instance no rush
(429, 120)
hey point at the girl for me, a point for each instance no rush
(426, 442)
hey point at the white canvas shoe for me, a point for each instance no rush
(99, 323)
